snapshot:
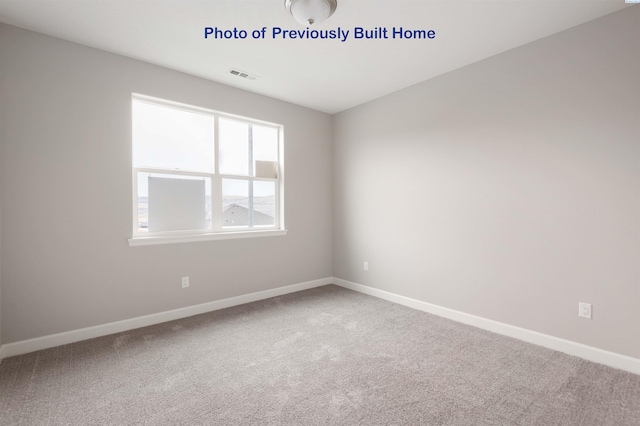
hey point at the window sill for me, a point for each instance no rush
(192, 238)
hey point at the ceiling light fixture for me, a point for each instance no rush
(311, 12)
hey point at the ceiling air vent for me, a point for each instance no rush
(243, 74)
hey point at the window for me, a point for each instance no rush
(199, 174)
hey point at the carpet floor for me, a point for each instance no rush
(325, 356)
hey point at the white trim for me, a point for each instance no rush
(590, 353)
(210, 236)
(44, 342)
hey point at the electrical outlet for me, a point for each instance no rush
(365, 266)
(185, 282)
(584, 310)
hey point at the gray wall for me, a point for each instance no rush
(66, 176)
(508, 189)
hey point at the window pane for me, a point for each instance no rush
(170, 138)
(264, 203)
(234, 147)
(265, 143)
(235, 202)
(143, 198)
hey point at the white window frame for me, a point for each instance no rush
(217, 231)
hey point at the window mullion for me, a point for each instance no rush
(216, 182)
(251, 173)
(250, 183)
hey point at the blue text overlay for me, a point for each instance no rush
(338, 34)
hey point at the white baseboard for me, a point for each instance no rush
(589, 353)
(44, 342)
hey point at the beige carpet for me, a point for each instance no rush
(326, 356)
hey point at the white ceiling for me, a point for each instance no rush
(326, 75)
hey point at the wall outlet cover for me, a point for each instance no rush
(584, 310)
